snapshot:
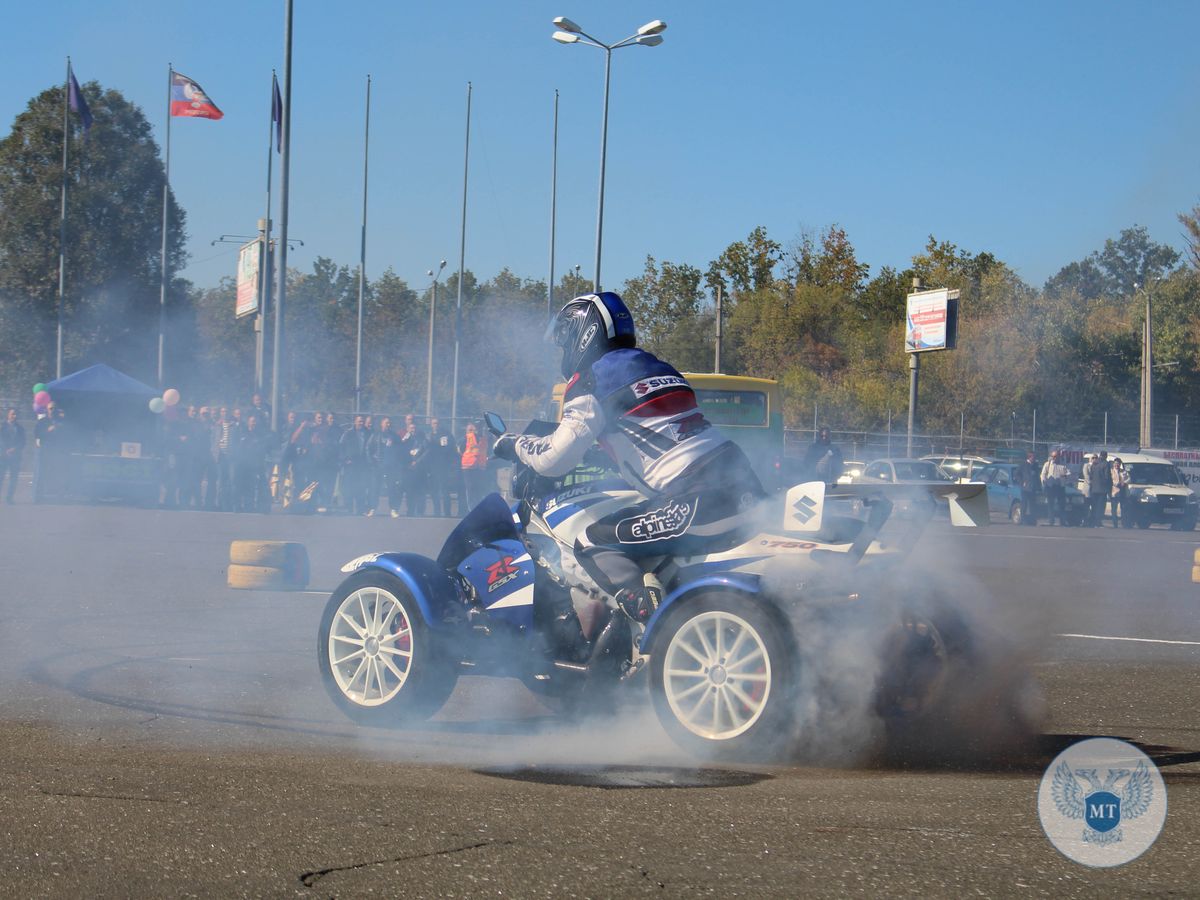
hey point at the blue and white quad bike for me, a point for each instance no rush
(506, 597)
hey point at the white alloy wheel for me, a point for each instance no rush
(717, 675)
(370, 646)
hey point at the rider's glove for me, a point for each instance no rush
(506, 447)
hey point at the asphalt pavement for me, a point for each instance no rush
(163, 735)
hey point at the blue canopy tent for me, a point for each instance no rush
(110, 444)
(101, 379)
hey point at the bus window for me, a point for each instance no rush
(732, 407)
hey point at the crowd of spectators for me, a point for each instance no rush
(228, 458)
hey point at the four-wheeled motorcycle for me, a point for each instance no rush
(721, 655)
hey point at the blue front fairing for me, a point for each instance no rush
(486, 549)
(490, 520)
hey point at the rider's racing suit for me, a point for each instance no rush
(699, 485)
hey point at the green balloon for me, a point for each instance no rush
(38, 388)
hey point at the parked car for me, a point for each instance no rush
(960, 468)
(851, 469)
(1004, 496)
(1158, 493)
(901, 470)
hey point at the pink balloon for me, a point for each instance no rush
(42, 398)
(170, 396)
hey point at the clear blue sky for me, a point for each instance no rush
(1031, 130)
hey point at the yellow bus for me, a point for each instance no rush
(747, 410)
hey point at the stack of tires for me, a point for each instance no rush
(268, 566)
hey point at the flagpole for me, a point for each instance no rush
(362, 259)
(264, 270)
(162, 288)
(553, 209)
(462, 257)
(62, 226)
(282, 246)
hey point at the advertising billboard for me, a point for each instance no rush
(247, 279)
(932, 321)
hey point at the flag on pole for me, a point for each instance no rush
(189, 99)
(78, 104)
(277, 113)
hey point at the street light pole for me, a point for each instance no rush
(429, 363)
(649, 35)
(462, 261)
(603, 160)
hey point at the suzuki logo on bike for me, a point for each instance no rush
(501, 573)
(657, 524)
(805, 508)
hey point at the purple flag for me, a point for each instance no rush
(78, 104)
(277, 113)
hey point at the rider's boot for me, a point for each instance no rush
(640, 603)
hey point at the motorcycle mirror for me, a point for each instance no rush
(494, 423)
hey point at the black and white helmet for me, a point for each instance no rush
(590, 326)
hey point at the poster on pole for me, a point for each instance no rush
(932, 321)
(247, 279)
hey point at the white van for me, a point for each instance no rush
(1158, 493)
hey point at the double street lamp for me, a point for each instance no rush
(429, 366)
(649, 35)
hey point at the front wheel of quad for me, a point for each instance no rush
(721, 672)
(380, 663)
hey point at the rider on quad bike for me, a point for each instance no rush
(699, 486)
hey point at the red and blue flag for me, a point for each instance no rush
(189, 99)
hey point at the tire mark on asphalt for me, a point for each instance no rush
(308, 879)
(86, 796)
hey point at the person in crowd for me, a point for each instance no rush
(262, 409)
(378, 446)
(205, 464)
(320, 469)
(441, 461)
(188, 463)
(1029, 480)
(12, 445)
(1097, 484)
(412, 449)
(352, 455)
(301, 456)
(1119, 493)
(1054, 482)
(224, 437)
(237, 417)
(282, 478)
(249, 455)
(51, 440)
(328, 460)
(823, 460)
(474, 468)
(175, 448)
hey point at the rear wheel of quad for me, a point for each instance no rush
(721, 673)
(379, 661)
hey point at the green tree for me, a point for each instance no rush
(1130, 259)
(745, 265)
(114, 234)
